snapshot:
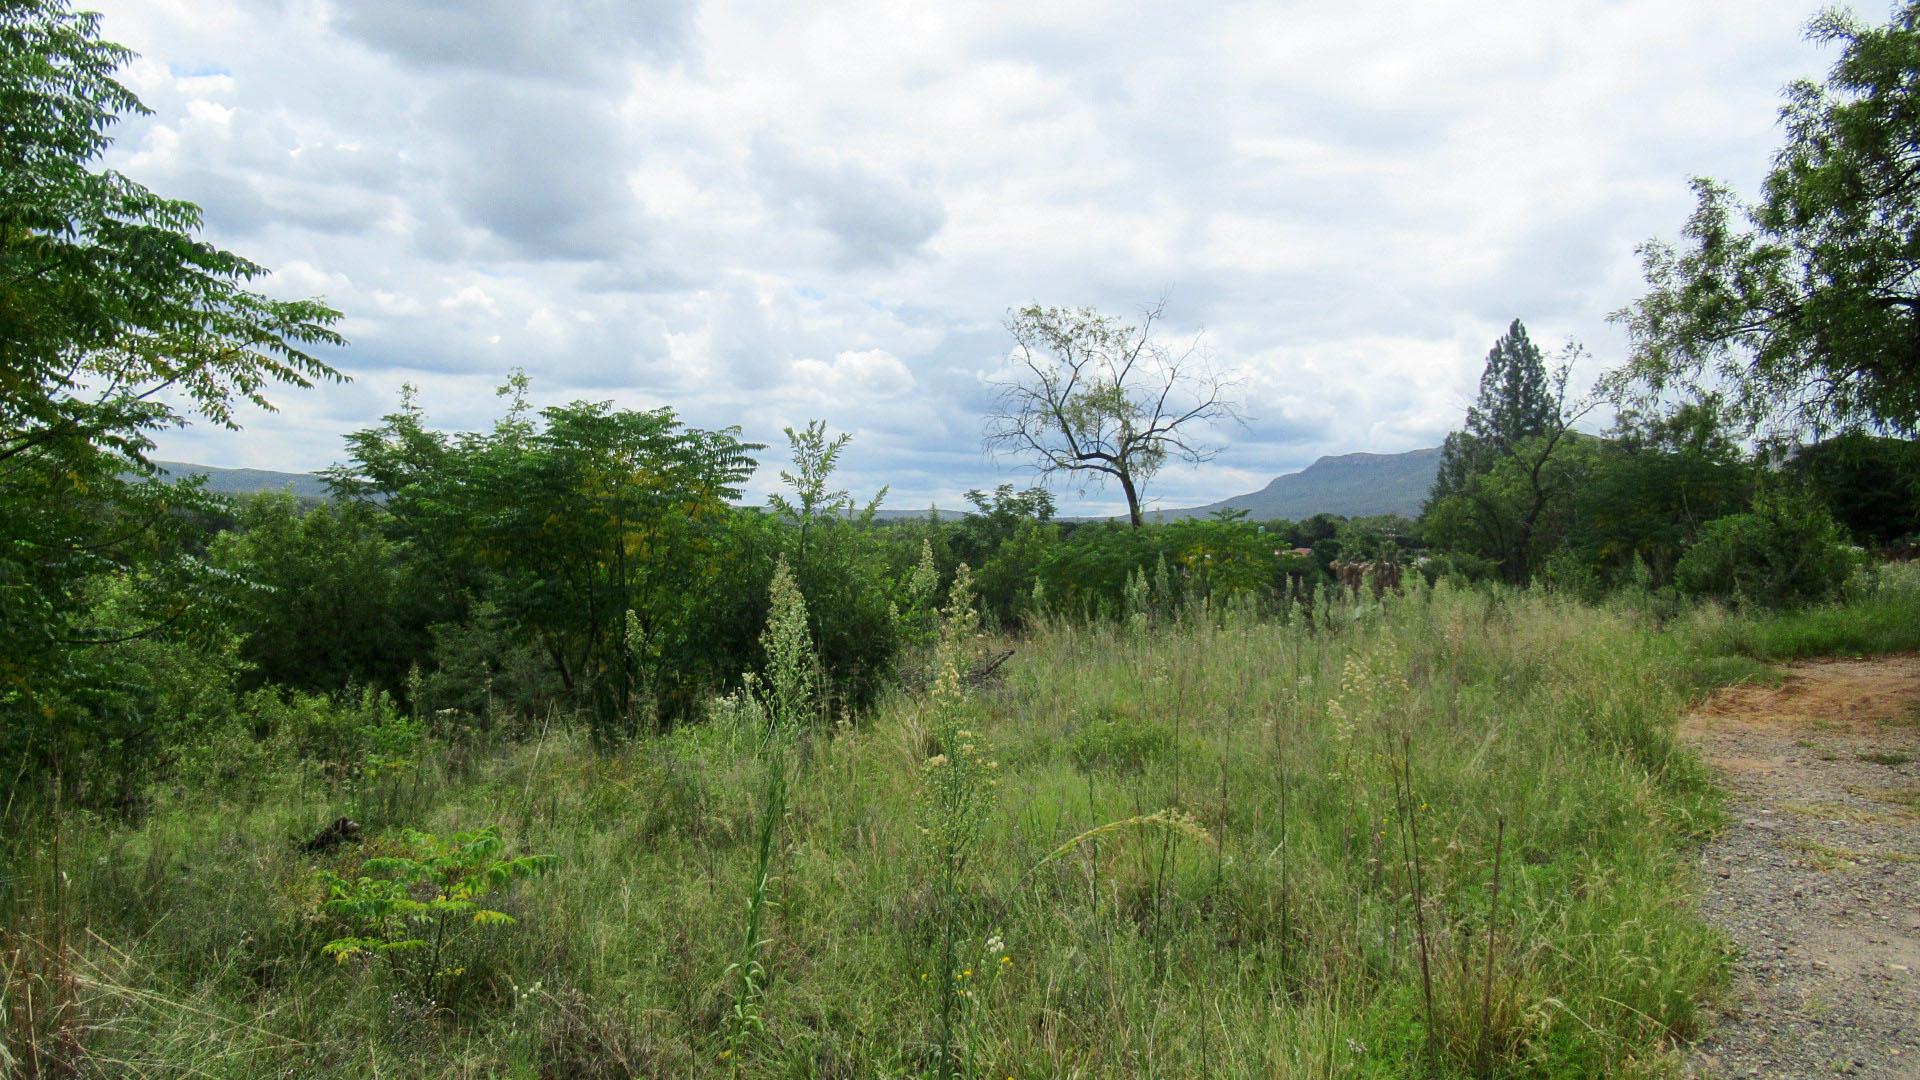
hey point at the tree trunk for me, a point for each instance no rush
(1133, 499)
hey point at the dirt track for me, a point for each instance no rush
(1817, 878)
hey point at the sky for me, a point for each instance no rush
(762, 214)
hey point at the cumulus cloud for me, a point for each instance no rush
(873, 373)
(762, 213)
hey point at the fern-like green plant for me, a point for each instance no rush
(425, 902)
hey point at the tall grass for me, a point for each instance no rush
(1200, 858)
(1883, 616)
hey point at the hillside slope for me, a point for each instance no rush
(1353, 485)
(250, 481)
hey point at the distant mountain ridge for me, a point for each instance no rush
(250, 481)
(1351, 485)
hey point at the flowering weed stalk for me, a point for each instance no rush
(956, 799)
(919, 622)
(787, 700)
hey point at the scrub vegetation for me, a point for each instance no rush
(532, 751)
(1200, 843)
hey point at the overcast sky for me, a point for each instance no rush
(764, 213)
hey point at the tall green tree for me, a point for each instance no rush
(115, 322)
(1508, 480)
(1804, 307)
(1515, 403)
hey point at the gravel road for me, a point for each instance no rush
(1817, 879)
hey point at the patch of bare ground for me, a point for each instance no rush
(1817, 878)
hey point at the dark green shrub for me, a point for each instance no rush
(1182, 562)
(163, 688)
(1003, 539)
(336, 602)
(1570, 573)
(485, 674)
(1786, 550)
(1458, 567)
(1087, 572)
(1871, 484)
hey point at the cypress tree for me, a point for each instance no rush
(1515, 403)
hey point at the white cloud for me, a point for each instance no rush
(759, 213)
(852, 375)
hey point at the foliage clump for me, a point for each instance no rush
(1786, 550)
(116, 321)
(1801, 307)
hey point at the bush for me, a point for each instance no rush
(1786, 550)
(1087, 573)
(1004, 539)
(483, 669)
(1871, 484)
(1885, 618)
(1458, 567)
(165, 688)
(1568, 572)
(336, 603)
(1090, 572)
(348, 736)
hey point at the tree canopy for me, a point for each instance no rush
(593, 529)
(1804, 308)
(115, 322)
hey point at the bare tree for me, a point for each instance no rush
(1098, 398)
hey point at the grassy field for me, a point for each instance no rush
(1209, 845)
